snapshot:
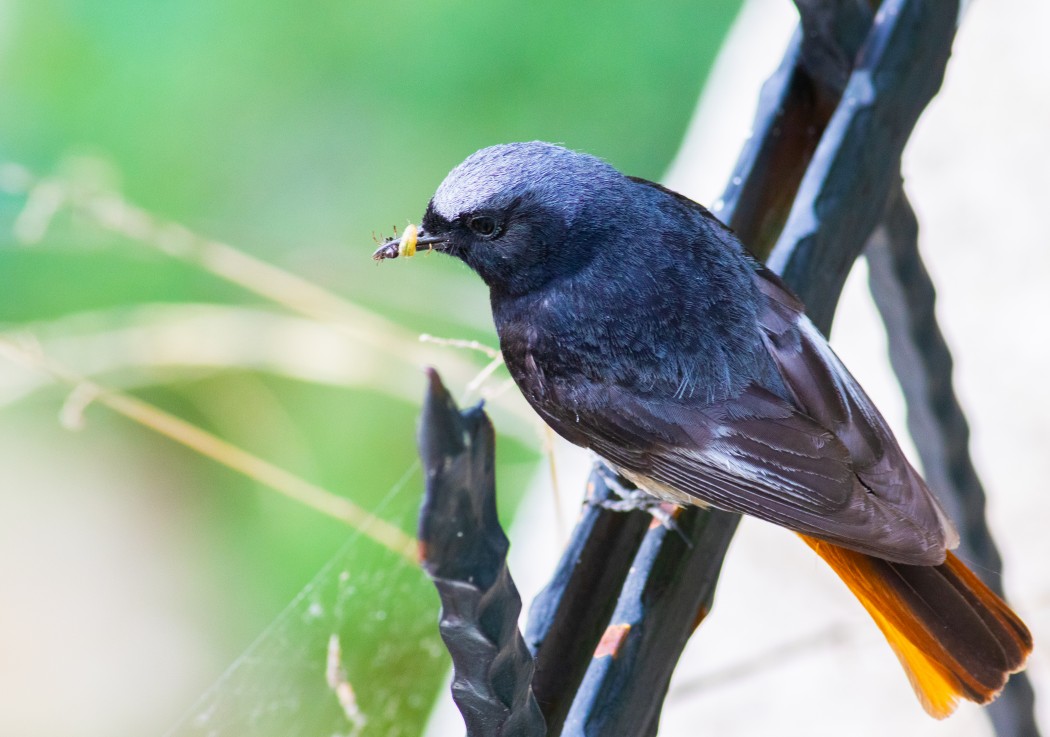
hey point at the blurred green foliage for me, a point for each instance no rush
(292, 130)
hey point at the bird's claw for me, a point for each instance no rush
(634, 499)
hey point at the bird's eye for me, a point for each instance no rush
(483, 225)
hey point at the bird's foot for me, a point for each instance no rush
(634, 499)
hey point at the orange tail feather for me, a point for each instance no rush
(953, 635)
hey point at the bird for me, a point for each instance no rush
(637, 325)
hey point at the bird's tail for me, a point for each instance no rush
(953, 635)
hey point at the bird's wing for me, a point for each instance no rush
(825, 465)
(825, 391)
(755, 455)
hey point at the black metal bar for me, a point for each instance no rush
(856, 167)
(834, 31)
(464, 550)
(790, 118)
(568, 617)
(905, 296)
(667, 594)
(794, 108)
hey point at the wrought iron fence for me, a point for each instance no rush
(817, 185)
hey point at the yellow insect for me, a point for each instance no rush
(407, 246)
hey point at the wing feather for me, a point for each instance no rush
(825, 390)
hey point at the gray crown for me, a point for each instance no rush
(553, 176)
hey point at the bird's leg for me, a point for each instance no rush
(632, 498)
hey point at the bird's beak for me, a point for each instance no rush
(410, 241)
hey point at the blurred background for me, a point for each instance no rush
(134, 571)
(153, 157)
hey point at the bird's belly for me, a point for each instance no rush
(661, 490)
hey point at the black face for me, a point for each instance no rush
(514, 249)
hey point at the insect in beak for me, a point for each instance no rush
(410, 241)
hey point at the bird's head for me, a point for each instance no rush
(520, 214)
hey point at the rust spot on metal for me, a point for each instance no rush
(701, 614)
(609, 646)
